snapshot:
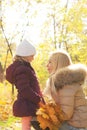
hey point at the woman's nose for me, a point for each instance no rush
(47, 65)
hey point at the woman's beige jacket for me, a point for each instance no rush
(66, 88)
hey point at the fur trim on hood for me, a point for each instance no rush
(70, 75)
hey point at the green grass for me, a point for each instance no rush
(12, 123)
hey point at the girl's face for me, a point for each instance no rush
(30, 58)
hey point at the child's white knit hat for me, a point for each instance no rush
(25, 49)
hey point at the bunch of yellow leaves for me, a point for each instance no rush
(50, 116)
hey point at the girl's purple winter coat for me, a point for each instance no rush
(22, 75)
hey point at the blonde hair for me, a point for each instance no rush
(20, 58)
(17, 58)
(60, 59)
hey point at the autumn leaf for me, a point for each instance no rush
(50, 115)
(43, 113)
(44, 123)
(5, 109)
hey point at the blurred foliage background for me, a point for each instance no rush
(50, 25)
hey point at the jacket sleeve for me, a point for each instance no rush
(22, 83)
(66, 100)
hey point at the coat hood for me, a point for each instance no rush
(10, 72)
(70, 75)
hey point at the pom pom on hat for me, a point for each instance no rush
(25, 49)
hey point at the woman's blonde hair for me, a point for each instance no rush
(60, 59)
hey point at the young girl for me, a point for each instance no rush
(22, 75)
(65, 87)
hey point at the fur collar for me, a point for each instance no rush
(70, 75)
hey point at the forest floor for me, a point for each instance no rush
(14, 126)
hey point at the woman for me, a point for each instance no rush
(57, 60)
(22, 75)
(65, 87)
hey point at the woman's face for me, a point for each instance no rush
(50, 66)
